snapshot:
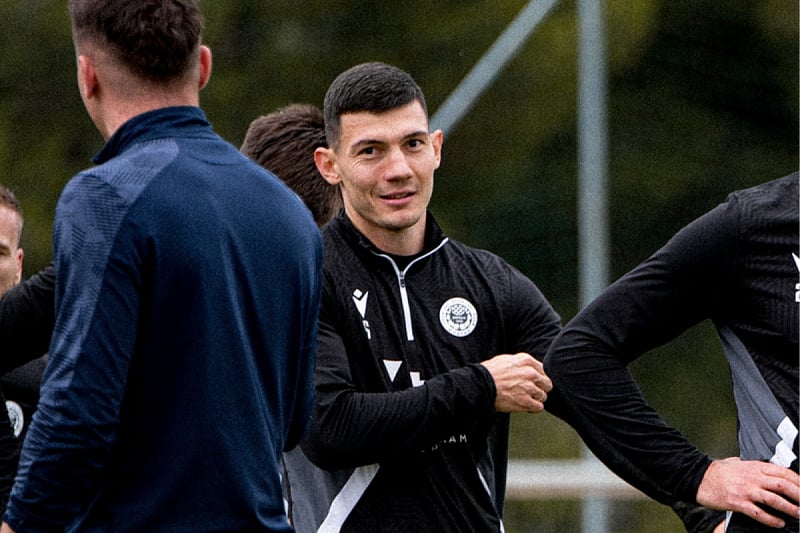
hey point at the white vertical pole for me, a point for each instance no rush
(592, 193)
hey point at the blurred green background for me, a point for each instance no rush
(702, 100)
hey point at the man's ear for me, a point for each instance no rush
(20, 255)
(87, 77)
(205, 65)
(437, 138)
(325, 159)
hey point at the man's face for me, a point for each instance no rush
(385, 164)
(10, 252)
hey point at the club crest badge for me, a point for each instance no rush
(458, 317)
(16, 416)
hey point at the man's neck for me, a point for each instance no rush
(120, 114)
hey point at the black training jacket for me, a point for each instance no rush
(738, 266)
(405, 412)
(27, 314)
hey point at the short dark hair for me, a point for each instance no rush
(155, 39)
(9, 200)
(284, 142)
(374, 87)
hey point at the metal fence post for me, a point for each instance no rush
(593, 232)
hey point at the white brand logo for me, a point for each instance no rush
(458, 317)
(392, 368)
(360, 299)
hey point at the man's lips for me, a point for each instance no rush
(397, 195)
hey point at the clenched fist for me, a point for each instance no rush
(521, 383)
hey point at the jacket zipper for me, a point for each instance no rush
(401, 281)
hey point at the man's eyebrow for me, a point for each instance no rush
(419, 133)
(372, 142)
(366, 142)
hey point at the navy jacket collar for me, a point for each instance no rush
(156, 124)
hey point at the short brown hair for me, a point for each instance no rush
(284, 142)
(155, 39)
(9, 200)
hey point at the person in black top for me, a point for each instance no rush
(412, 402)
(737, 266)
(22, 363)
(27, 315)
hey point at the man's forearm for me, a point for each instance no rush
(352, 429)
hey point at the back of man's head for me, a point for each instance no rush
(155, 39)
(372, 87)
(284, 142)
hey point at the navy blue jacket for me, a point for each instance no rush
(181, 363)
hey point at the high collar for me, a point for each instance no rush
(157, 124)
(434, 235)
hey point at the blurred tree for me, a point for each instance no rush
(44, 132)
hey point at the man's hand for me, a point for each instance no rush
(521, 383)
(735, 485)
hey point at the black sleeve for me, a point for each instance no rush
(27, 315)
(531, 322)
(676, 288)
(351, 428)
(531, 325)
(698, 519)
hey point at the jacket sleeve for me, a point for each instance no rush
(676, 288)
(68, 442)
(531, 324)
(304, 390)
(352, 427)
(27, 314)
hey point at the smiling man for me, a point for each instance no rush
(411, 417)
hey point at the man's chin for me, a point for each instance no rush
(402, 221)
